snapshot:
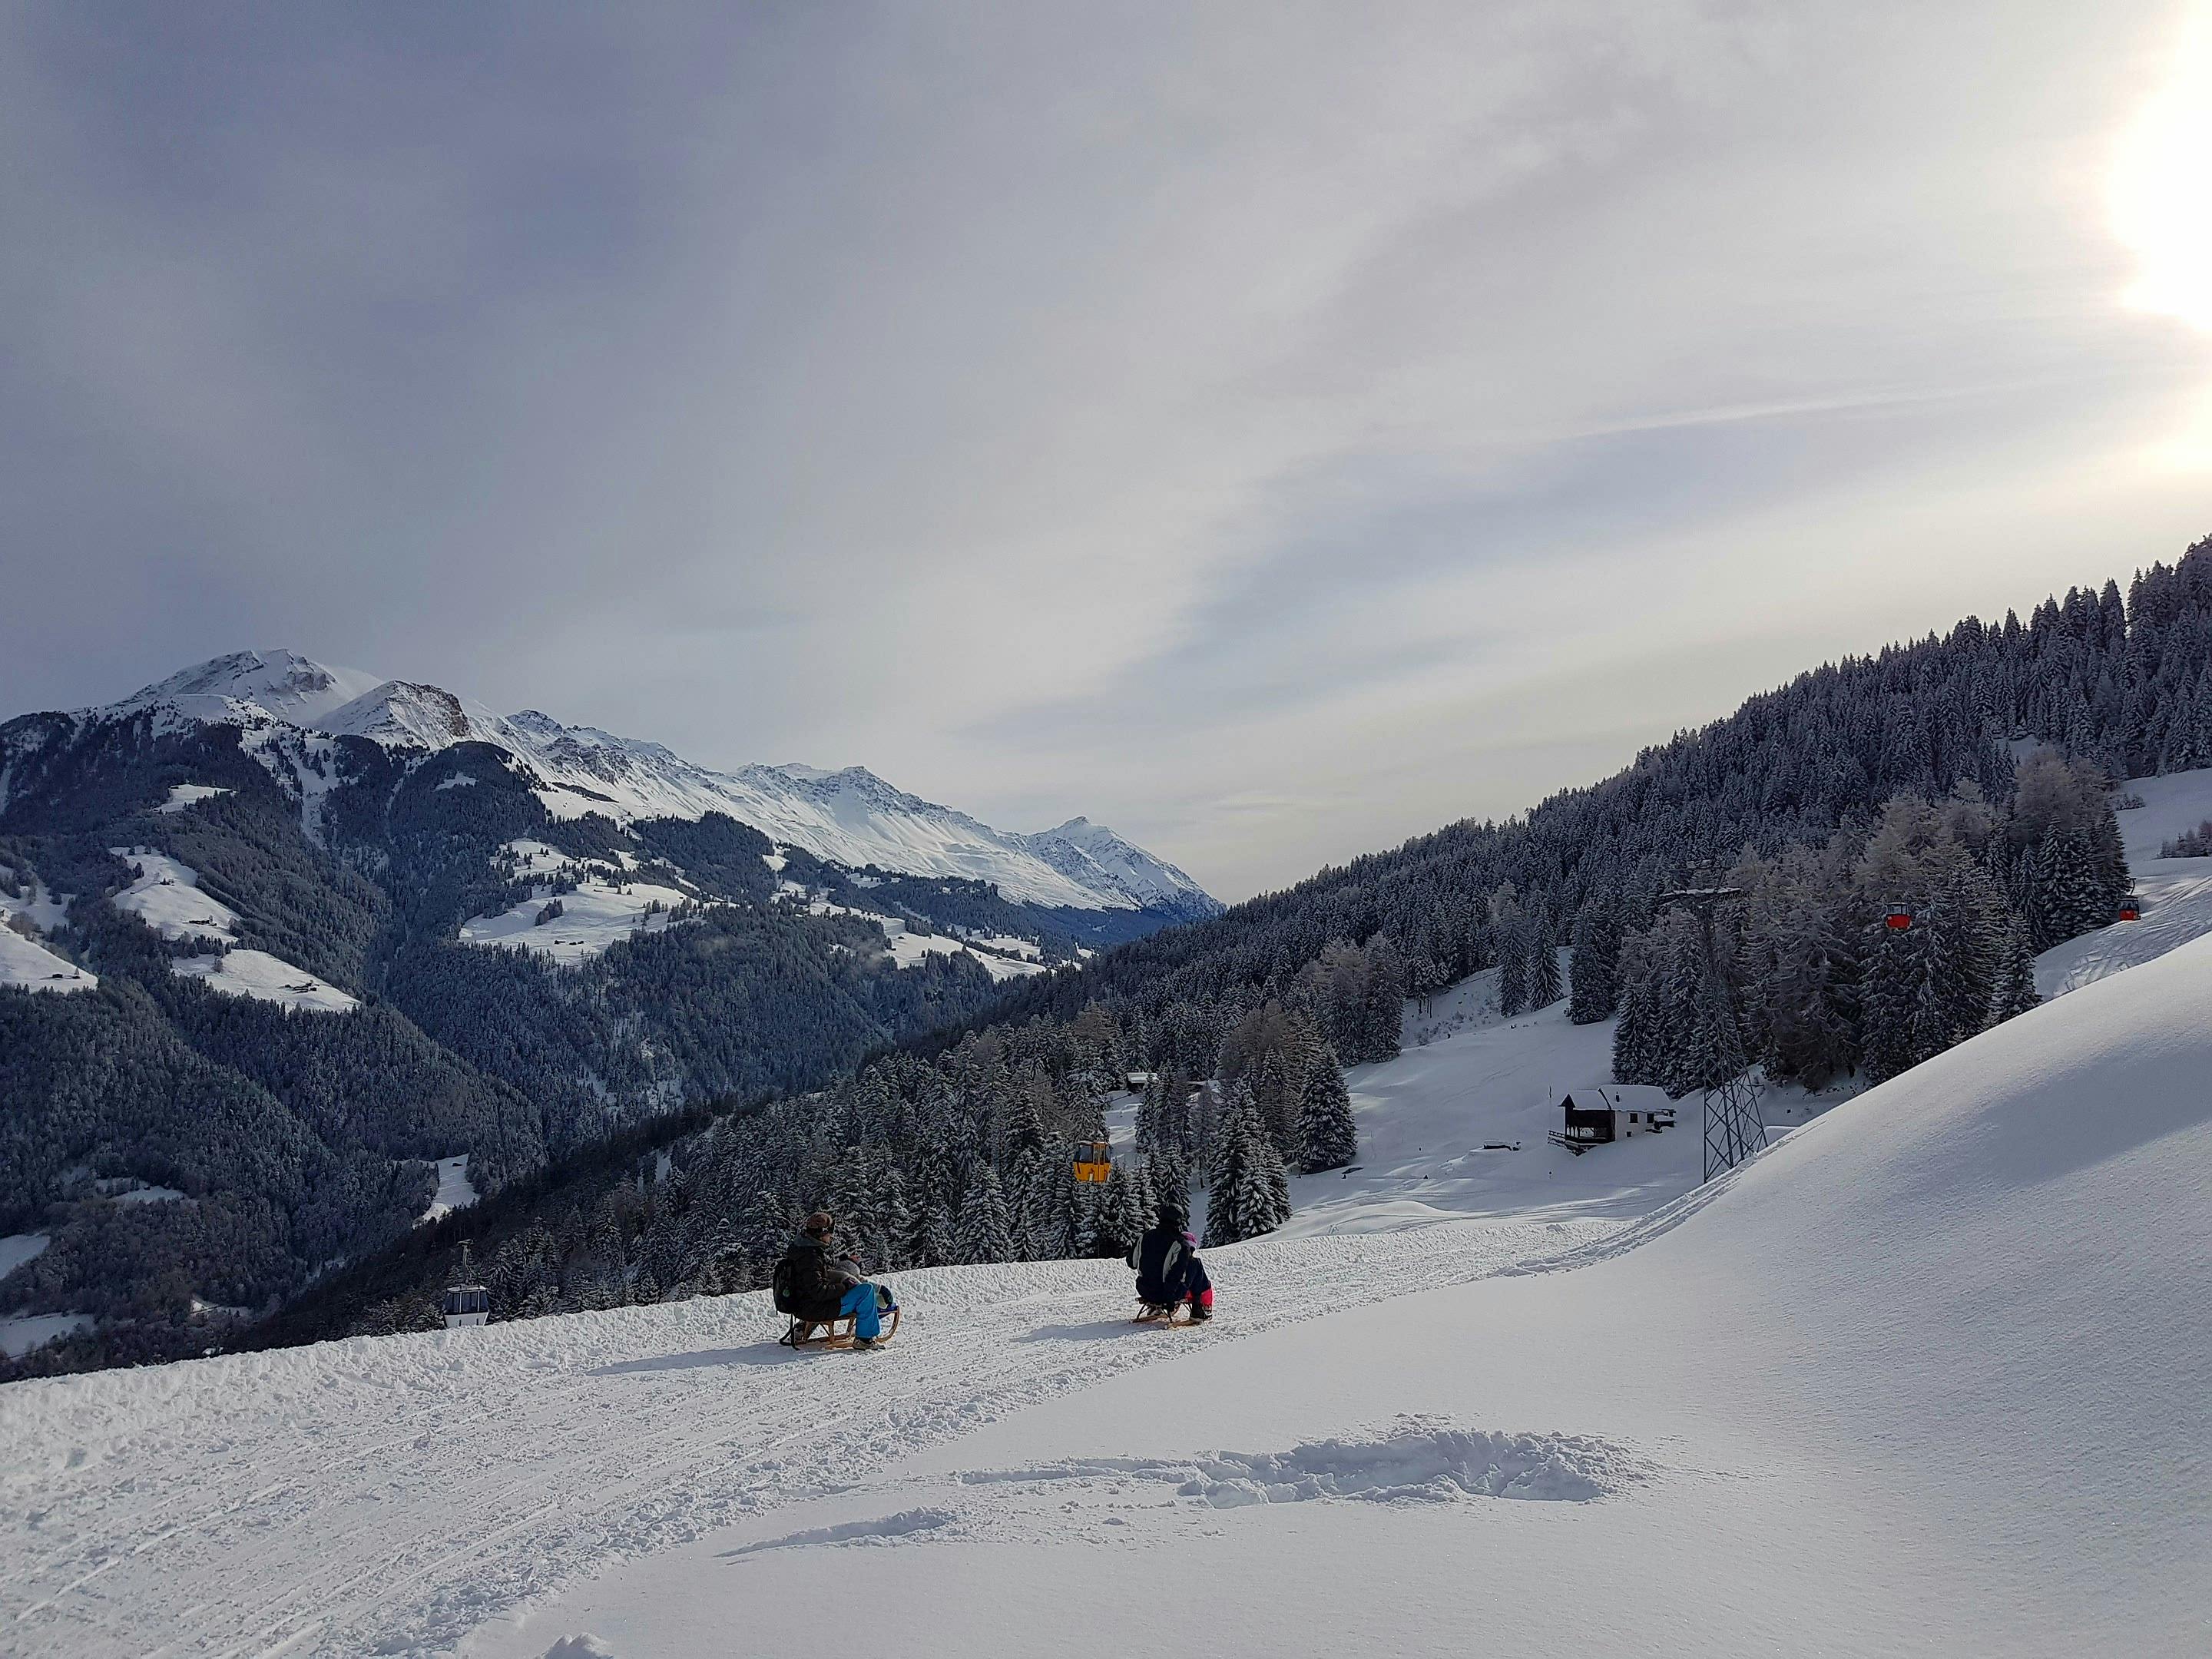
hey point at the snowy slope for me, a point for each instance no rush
(2176, 893)
(1917, 1381)
(1927, 1377)
(29, 965)
(166, 896)
(850, 817)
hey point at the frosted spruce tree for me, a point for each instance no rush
(1595, 967)
(1327, 1139)
(986, 1230)
(1249, 1193)
(1544, 987)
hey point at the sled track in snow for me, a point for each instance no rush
(385, 1495)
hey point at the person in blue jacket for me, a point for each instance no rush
(1168, 1267)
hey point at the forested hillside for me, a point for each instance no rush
(1960, 782)
(194, 1144)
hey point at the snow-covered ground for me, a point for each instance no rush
(21, 1332)
(907, 948)
(29, 965)
(2176, 893)
(389, 1494)
(455, 1190)
(1916, 1381)
(602, 911)
(166, 896)
(16, 1249)
(182, 795)
(1455, 1126)
(1925, 1377)
(256, 974)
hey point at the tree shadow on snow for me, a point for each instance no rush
(705, 1358)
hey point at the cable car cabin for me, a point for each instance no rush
(1898, 919)
(1617, 1112)
(465, 1304)
(2131, 910)
(1094, 1160)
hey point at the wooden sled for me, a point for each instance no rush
(836, 1332)
(1173, 1313)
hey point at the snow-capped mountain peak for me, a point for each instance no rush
(282, 685)
(849, 816)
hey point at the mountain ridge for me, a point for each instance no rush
(849, 816)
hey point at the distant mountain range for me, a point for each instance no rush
(280, 943)
(849, 818)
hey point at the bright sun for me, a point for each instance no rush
(2161, 186)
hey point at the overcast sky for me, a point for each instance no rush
(1272, 430)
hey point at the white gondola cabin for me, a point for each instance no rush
(466, 1304)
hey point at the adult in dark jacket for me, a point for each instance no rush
(1168, 1267)
(823, 1277)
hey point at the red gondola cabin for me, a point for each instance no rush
(1898, 921)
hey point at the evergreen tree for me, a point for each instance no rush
(1595, 965)
(1249, 1193)
(2015, 986)
(1543, 986)
(986, 1230)
(1327, 1139)
(1384, 1004)
(1122, 1218)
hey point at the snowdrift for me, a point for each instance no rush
(1928, 1377)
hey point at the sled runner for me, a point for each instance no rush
(1173, 1313)
(836, 1330)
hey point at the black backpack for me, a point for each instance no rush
(797, 1286)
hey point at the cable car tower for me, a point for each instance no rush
(1732, 1128)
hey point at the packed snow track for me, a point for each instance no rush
(387, 1495)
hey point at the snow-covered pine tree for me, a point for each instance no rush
(1326, 1138)
(1249, 1194)
(1384, 1004)
(986, 1229)
(1595, 967)
(934, 1243)
(892, 1222)
(1120, 1219)
(2015, 991)
(1033, 1198)
(1510, 931)
(1544, 987)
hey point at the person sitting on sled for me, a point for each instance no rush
(1168, 1267)
(822, 1274)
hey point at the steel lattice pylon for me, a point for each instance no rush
(1733, 1127)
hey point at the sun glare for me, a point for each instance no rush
(2161, 186)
